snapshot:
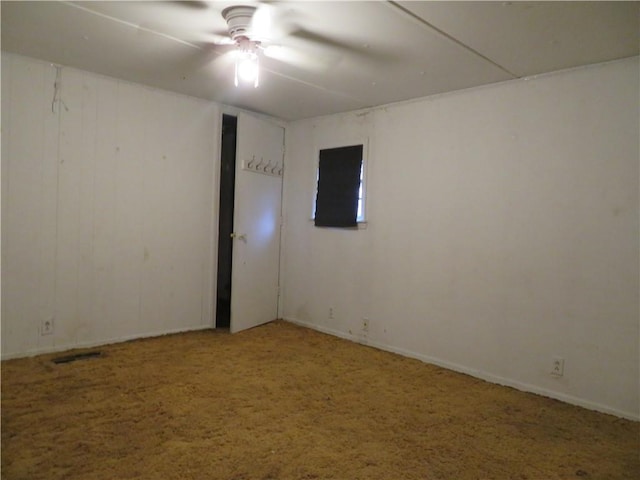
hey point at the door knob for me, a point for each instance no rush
(239, 236)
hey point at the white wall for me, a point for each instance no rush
(107, 209)
(503, 224)
(503, 231)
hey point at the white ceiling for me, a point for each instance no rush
(371, 53)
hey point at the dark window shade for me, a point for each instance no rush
(338, 185)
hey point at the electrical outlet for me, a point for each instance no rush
(46, 328)
(557, 366)
(365, 324)
(331, 314)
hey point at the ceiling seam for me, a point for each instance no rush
(129, 24)
(425, 23)
(313, 85)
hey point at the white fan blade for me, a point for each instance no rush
(220, 39)
(183, 35)
(316, 62)
(271, 23)
(261, 23)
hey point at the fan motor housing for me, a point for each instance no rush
(238, 20)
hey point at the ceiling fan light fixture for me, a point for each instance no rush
(247, 68)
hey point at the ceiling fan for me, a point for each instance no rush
(263, 29)
(268, 30)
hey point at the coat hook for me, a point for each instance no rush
(266, 167)
(259, 163)
(250, 162)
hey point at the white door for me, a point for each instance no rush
(256, 223)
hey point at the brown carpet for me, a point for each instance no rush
(284, 402)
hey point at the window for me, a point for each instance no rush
(339, 200)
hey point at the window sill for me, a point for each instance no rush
(361, 226)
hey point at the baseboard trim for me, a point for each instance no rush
(525, 387)
(64, 348)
